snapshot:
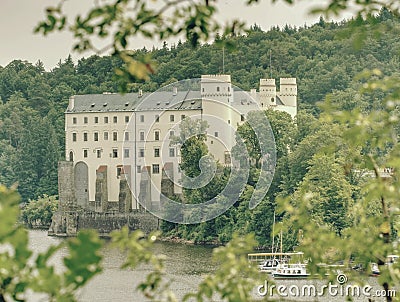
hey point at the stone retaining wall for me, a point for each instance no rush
(69, 223)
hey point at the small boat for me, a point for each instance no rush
(270, 265)
(291, 271)
(390, 259)
(375, 271)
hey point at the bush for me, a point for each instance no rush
(38, 213)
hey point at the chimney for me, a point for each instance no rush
(175, 91)
(71, 103)
(140, 94)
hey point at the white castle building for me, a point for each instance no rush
(112, 137)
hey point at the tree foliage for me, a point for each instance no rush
(38, 213)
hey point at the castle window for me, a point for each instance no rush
(115, 153)
(126, 136)
(126, 119)
(98, 151)
(272, 100)
(119, 171)
(106, 120)
(126, 153)
(115, 136)
(242, 118)
(96, 119)
(141, 152)
(216, 133)
(171, 133)
(156, 169)
(171, 152)
(172, 118)
(157, 152)
(74, 120)
(85, 137)
(142, 118)
(229, 89)
(85, 120)
(157, 118)
(96, 136)
(139, 169)
(105, 136)
(115, 119)
(85, 153)
(229, 122)
(141, 135)
(74, 137)
(217, 88)
(157, 135)
(183, 117)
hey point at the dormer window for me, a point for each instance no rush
(105, 105)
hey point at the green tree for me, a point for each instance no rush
(38, 213)
(330, 194)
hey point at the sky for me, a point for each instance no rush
(19, 17)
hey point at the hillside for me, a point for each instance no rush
(325, 58)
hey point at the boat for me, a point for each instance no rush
(375, 271)
(291, 271)
(270, 265)
(269, 262)
(390, 259)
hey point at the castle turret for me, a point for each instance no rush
(288, 91)
(267, 93)
(217, 87)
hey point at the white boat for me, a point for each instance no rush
(270, 265)
(291, 271)
(390, 259)
(375, 271)
(268, 262)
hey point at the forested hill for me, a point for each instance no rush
(323, 58)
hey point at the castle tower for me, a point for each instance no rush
(288, 91)
(267, 93)
(217, 87)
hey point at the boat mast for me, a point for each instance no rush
(273, 234)
(281, 243)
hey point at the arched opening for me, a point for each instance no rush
(71, 156)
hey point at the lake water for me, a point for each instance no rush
(186, 265)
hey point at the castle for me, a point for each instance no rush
(118, 147)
